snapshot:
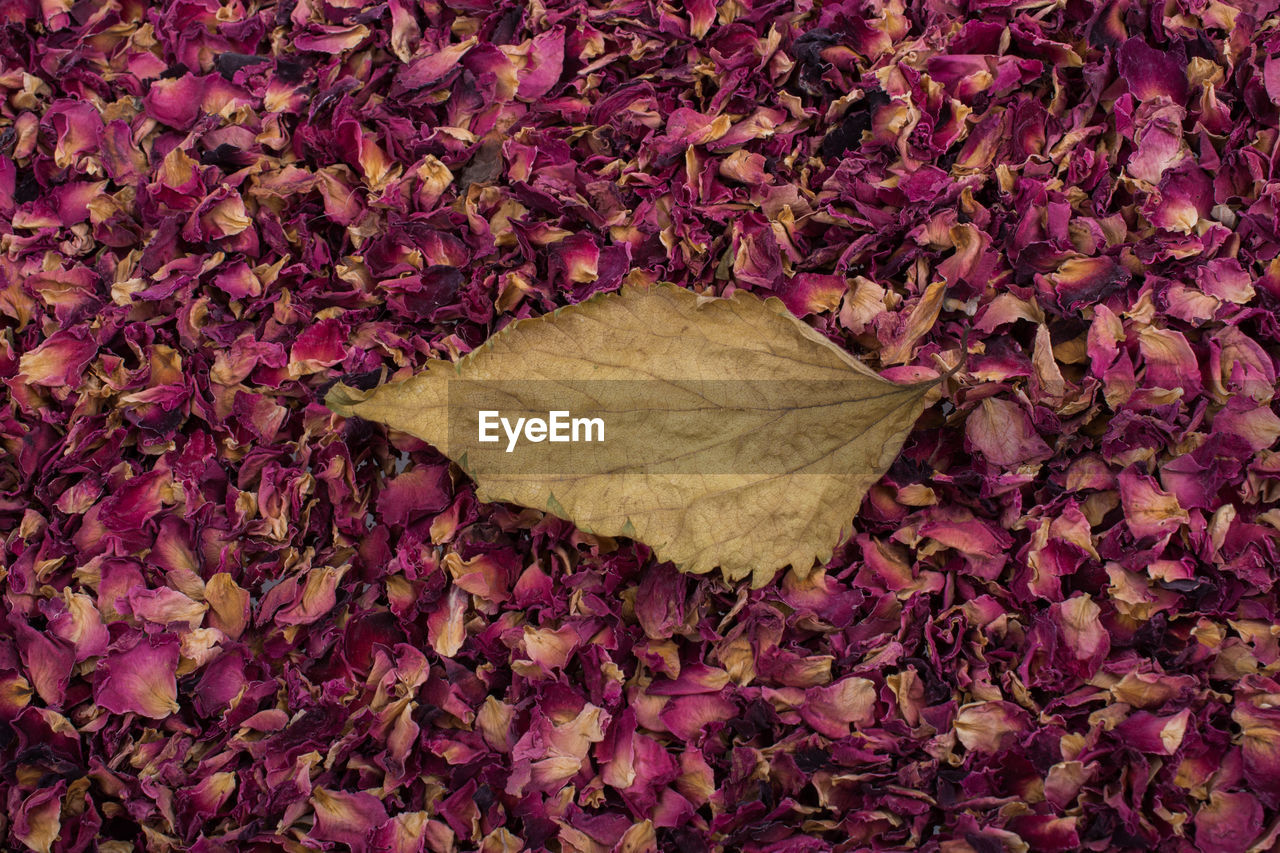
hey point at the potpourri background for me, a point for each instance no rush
(234, 621)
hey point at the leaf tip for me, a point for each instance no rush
(343, 399)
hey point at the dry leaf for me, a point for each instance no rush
(735, 435)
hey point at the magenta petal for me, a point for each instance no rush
(1085, 638)
(1149, 732)
(546, 64)
(1228, 823)
(48, 661)
(1169, 359)
(140, 680)
(176, 100)
(136, 502)
(990, 726)
(757, 255)
(577, 259)
(1151, 72)
(686, 716)
(60, 360)
(220, 683)
(77, 127)
(81, 625)
(411, 832)
(1149, 510)
(1049, 834)
(1185, 197)
(813, 293)
(332, 39)
(831, 710)
(207, 797)
(37, 822)
(1002, 432)
(1257, 425)
(321, 345)
(315, 597)
(346, 817)
(164, 606)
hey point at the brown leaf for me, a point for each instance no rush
(735, 435)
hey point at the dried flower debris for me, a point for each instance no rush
(238, 622)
